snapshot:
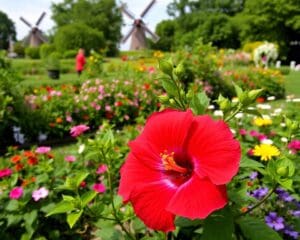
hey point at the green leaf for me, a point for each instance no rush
(256, 229)
(73, 217)
(252, 164)
(79, 177)
(252, 112)
(238, 90)
(170, 87)
(87, 197)
(185, 222)
(62, 207)
(68, 198)
(199, 103)
(219, 225)
(12, 205)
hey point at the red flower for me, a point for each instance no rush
(179, 165)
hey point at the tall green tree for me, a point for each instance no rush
(101, 15)
(7, 29)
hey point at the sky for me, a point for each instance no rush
(32, 9)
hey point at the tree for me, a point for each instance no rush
(271, 20)
(166, 30)
(78, 35)
(7, 29)
(101, 15)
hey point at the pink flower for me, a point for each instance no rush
(70, 158)
(69, 118)
(16, 193)
(5, 172)
(43, 150)
(294, 146)
(99, 188)
(40, 193)
(101, 169)
(243, 132)
(78, 130)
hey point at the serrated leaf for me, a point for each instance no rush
(248, 163)
(73, 217)
(87, 197)
(61, 207)
(219, 225)
(256, 229)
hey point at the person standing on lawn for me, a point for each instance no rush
(80, 61)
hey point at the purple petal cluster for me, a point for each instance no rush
(289, 231)
(259, 193)
(284, 195)
(274, 221)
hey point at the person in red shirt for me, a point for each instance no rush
(80, 61)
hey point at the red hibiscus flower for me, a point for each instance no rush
(179, 165)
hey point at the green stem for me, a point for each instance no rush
(179, 95)
(259, 203)
(115, 213)
(233, 114)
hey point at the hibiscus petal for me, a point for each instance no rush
(167, 130)
(215, 152)
(133, 173)
(149, 203)
(197, 198)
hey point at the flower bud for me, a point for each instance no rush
(225, 104)
(253, 94)
(166, 67)
(172, 101)
(163, 98)
(282, 171)
(179, 70)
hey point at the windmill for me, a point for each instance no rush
(139, 29)
(35, 36)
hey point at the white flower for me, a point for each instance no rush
(271, 98)
(239, 115)
(264, 106)
(218, 113)
(284, 139)
(267, 141)
(282, 124)
(81, 148)
(296, 100)
(211, 107)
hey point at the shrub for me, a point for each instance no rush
(32, 52)
(46, 49)
(78, 35)
(19, 49)
(70, 54)
(52, 61)
(250, 46)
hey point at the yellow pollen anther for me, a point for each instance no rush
(170, 164)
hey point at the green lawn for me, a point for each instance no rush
(292, 83)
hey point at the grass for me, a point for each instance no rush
(292, 83)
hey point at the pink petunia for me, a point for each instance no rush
(40, 193)
(78, 130)
(70, 158)
(101, 169)
(43, 150)
(6, 172)
(16, 193)
(99, 188)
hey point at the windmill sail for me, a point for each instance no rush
(139, 29)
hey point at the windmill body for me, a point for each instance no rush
(139, 29)
(35, 37)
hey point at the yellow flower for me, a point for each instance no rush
(266, 151)
(262, 121)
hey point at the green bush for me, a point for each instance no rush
(52, 62)
(19, 49)
(46, 49)
(32, 52)
(78, 35)
(70, 53)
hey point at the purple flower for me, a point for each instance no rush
(253, 175)
(288, 230)
(260, 192)
(284, 195)
(274, 221)
(296, 213)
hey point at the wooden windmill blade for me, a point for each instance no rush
(26, 22)
(147, 8)
(155, 37)
(124, 39)
(40, 19)
(40, 35)
(127, 13)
